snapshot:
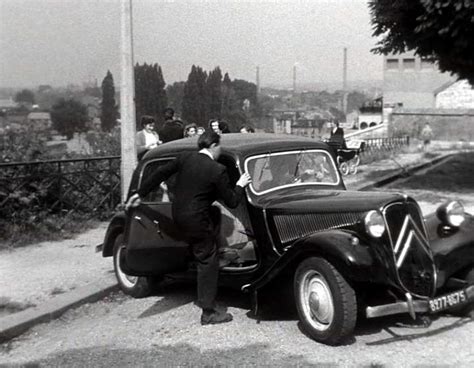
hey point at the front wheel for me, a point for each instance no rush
(326, 303)
(138, 287)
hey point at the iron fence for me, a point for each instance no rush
(89, 185)
(386, 144)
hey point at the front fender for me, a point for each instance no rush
(355, 261)
(453, 248)
(116, 226)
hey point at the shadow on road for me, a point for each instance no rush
(170, 355)
(413, 336)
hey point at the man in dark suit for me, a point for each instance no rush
(337, 135)
(200, 181)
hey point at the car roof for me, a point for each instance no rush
(242, 144)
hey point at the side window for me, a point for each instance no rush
(163, 192)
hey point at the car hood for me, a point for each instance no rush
(328, 201)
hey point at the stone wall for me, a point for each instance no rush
(447, 124)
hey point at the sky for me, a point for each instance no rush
(59, 42)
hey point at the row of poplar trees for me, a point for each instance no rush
(202, 97)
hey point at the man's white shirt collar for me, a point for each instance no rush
(206, 152)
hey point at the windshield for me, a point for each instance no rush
(283, 169)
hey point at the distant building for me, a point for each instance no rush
(7, 104)
(455, 95)
(39, 120)
(412, 82)
(307, 122)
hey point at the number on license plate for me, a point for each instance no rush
(447, 301)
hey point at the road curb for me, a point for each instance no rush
(410, 170)
(16, 324)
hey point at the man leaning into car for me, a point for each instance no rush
(200, 181)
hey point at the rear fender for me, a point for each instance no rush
(116, 226)
(353, 260)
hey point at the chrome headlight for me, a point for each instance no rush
(451, 213)
(374, 224)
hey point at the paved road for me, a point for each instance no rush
(163, 330)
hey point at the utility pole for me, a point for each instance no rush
(127, 100)
(344, 82)
(294, 79)
(258, 80)
(344, 71)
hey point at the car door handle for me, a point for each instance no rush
(157, 225)
(139, 219)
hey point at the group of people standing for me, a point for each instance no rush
(148, 138)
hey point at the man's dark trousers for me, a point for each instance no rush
(205, 252)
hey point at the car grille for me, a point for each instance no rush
(294, 226)
(413, 259)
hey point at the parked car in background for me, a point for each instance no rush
(344, 251)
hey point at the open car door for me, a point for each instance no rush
(153, 244)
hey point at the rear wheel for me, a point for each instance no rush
(136, 286)
(326, 303)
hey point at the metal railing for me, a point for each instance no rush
(89, 185)
(373, 145)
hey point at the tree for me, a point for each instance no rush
(228, 97)
(108, 117)
(150, 94)
(69, 116)
(214, 93)
(440, 30)
(25, 96)
(195, 107)
(175, 94)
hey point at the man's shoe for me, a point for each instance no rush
(213, 318)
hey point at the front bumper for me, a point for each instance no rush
(417, 306)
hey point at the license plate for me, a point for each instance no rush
(447, 301)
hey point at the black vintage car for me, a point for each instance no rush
(346, 251)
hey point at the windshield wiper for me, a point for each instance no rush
(300, 156)
(267, 158)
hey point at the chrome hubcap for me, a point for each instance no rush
(127, 280)
(317, 300)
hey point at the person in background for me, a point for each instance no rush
(246, 129)
(224, 127)
(172, 130)
(200, 130)
(190, 130)
(146, 139)
(168, 114)
(214, 126)
(337, 135)
(426, 136)
(200, 180)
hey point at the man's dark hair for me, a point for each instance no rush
(208, 138)
(168, 111)
(147, 119)
(224, 127)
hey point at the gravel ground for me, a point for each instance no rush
(36, 273)
(164, 331)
